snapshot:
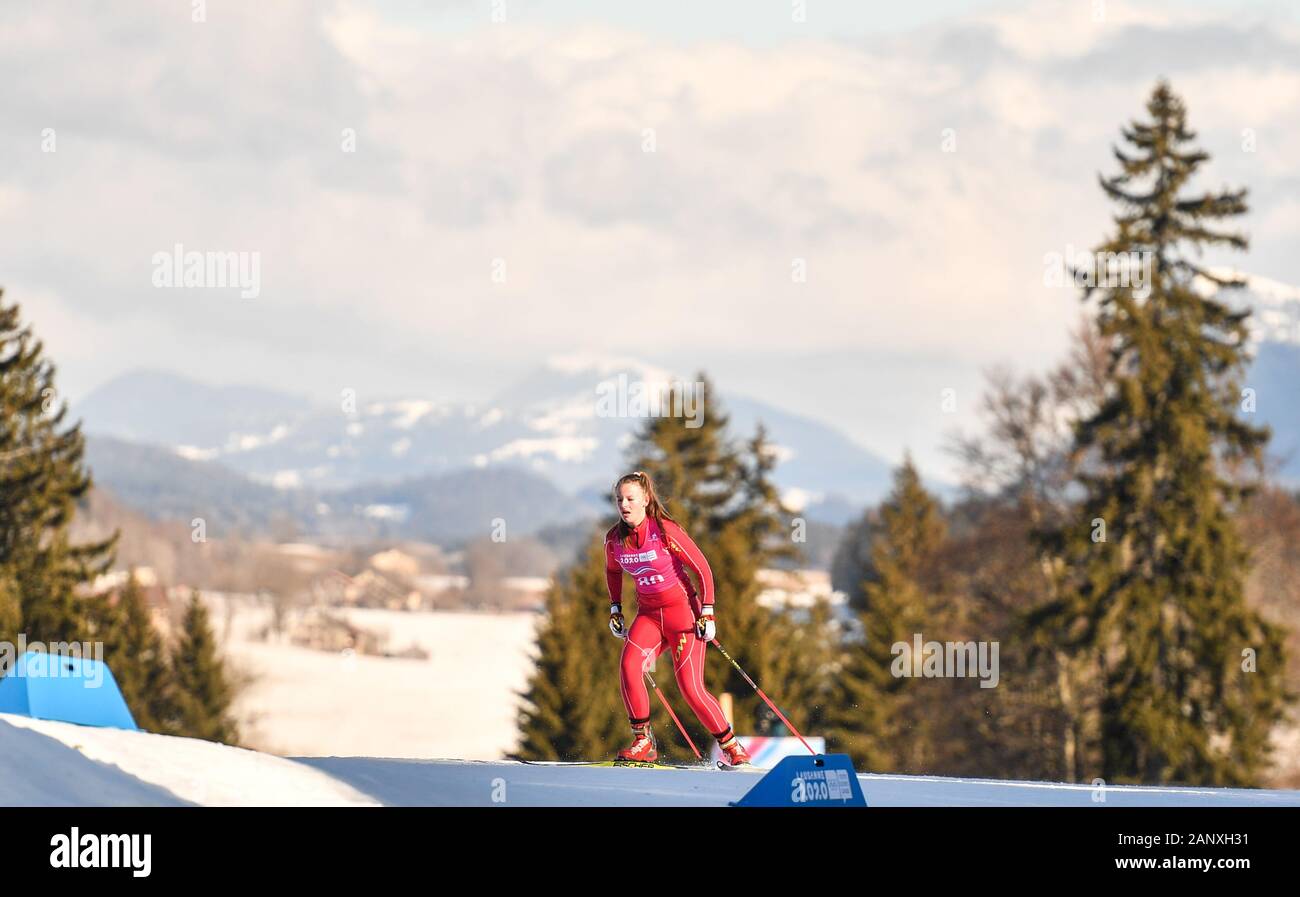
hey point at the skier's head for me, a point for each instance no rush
(635, 499)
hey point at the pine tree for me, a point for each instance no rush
(572, 708)
(135, 652)
(11, 611)
(1154, 605)
(882, 720)
(204, 695)
(42, 479)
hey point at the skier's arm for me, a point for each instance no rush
(681, 545)
(614, 581)
(613, 575)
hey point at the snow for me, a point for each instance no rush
(246, 442)
(409, 411)
(194, 453)
(387, 512)
(47, 763)
(460, 702)
(1276, 305)
(179, 769)
(563, 448)
(797, 499)
(462, 783)
(303, 549)
(333, 729)
(286, 479)
(39, 771)
(361, 730)
(527, 583)
(565, 418)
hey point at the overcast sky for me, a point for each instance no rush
(641, 183)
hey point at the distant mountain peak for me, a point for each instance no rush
(1276, 305)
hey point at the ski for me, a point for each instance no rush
(636, 764)
(643, 764)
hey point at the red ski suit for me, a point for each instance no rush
(667, 607)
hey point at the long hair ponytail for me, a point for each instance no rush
(653, 507)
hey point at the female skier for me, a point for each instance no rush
(651, 547)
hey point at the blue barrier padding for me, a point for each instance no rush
(824, 780)
(66, 688)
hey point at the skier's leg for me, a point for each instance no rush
(690, 678)
(644, 642)
(688, 668)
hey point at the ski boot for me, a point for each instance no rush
(733, 752)
(643, 747)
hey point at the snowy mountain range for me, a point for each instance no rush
(1275, 306)
(567, 425)
(559, 435)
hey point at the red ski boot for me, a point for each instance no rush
(733, 752)
(643, 748)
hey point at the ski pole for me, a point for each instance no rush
(789, 725)
(664, 701)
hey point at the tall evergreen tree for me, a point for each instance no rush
(135, 652)
(1156, 610)
(42, 478)
(204, 694)
(1017, 474)
(881, 719)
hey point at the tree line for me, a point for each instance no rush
(1098, 544)
(179, 687)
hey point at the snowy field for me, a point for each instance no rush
(460, 702)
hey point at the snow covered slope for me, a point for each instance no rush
(476, 783)
(39, 771)
(46, 763)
